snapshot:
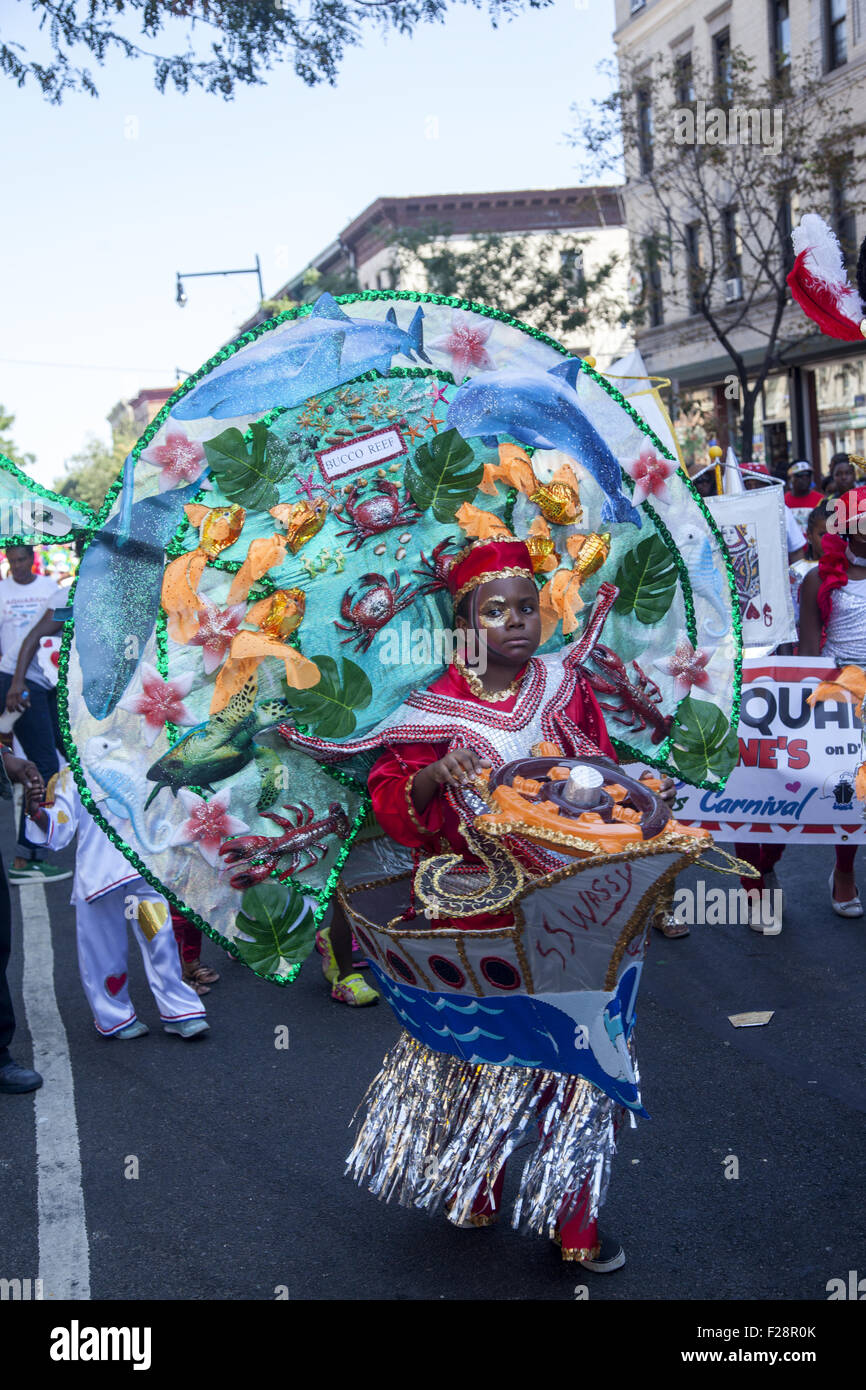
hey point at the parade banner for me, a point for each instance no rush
(753, 527)
(795, 777)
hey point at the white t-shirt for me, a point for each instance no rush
(796, 537)
(21, 607)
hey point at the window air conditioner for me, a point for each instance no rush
(733, 290)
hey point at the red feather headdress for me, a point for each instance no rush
(820, 285)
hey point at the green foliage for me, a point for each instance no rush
(248, 474)
(704, 743)
(327, 709)
(282, 927)
(8, 447)
(443, 475)
(538, 279)
(647, 581)
(90, 473)
(217, 45)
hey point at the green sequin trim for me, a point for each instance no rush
(66, 503)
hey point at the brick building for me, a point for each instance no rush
(818, 405)
(365, 246)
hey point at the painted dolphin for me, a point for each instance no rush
(541, 409)
(306, 357)
(118, 590)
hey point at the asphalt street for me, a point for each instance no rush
(240, 1192)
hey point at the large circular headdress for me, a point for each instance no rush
(276, 551)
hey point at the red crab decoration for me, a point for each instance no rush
(375, 514)
(634, 705)
(369, 614)
(259, 854)
(435, 570)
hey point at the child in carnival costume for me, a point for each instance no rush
(443, 738)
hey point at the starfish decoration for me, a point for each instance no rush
(688, 668)
(306, 485)
(437, 394)
(381, 393)
(413, 433)
(179, 459)
(432, 421)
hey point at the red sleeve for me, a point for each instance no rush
(583, 709)
(390, 786)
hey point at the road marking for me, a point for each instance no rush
(64, 1253)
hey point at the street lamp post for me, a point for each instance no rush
(200, 274)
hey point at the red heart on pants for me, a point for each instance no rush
(114, 983)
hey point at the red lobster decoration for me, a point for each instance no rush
(634, 706)
(259, 854)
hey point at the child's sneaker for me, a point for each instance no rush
(353, 990)
(136, 1029)
(330, 969)
(188, 1027)
(37, 871)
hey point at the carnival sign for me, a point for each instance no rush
(798, 762)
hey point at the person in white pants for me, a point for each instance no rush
(106, 894)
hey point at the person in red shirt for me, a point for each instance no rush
(801, 494)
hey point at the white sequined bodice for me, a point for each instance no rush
(846, 630)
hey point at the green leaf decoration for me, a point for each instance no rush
(704, 743)
(443, 475)
(328, 709)
(248, 474)
(281, 925)
(647, 581)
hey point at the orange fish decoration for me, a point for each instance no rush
(302, 520)
(560, 601)
(218, 528)
(540, 545)
(475, 521)
(589, 552)
(275, 618)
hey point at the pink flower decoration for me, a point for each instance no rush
(160, 701)
(688, 668)
(650, 473)
(181, 460)
(217, 627)
(208, 823)
(465, 344)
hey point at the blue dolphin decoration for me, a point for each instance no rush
(317, 352)
(118, 590)
(541, 409)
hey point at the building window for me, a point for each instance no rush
(781, 37)
(652, 270)
(694, 271)
(836, 27)
(571, 269)
(732, 244)
(844, 221)
(722, 64)
(785, 224)
(645, 129)
(685, 79)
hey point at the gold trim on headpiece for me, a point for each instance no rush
(510, 572)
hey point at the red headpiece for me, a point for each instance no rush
(833, 564)
(487, 560)
(820, 285)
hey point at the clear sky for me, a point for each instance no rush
(105, 199)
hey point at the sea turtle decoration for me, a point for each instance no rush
(273, 553)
